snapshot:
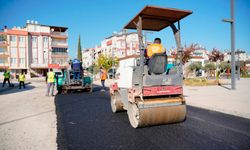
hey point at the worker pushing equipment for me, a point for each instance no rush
(150, 95)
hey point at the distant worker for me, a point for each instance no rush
(154, 48)
(21, 79)
(103, 77)
(50, 80)
(6, 77)
(77, 69)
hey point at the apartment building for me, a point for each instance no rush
(121, 44)
(118, 45)
(33, 48)
(88, 57)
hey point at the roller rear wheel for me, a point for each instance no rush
(116, 103)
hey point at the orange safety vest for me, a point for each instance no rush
(103, 75)
(154, 49)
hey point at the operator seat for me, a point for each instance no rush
(157, 64)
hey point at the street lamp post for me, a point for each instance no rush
(232, 21)
(238, 71)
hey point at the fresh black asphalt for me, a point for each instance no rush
(85, 121)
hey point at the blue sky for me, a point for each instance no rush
(96, 19)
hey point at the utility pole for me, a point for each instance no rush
(238, 64)
(232, 22)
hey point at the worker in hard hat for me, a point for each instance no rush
(50, 80)
(154, 48)
(6, 77)
(21, 80)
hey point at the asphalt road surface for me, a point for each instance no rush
(85, 121)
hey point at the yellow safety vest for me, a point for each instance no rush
(154, 49)
(21, 77)
(6, 75)
(51, 77)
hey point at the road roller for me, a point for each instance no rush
(150, 94)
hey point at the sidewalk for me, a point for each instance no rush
(221, 98)
(217, 98)
(27, 118)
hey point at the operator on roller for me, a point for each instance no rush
(154, 48)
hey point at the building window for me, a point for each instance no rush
(22, 52)
(3, 50)
(21, 39)
(3, 60)
(13, 38)
(59, 51)
(13, 61)
(45, 39)
(34, 60)
(34, 38)
(22, 60)
(13, 51)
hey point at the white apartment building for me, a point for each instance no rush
(242, 56)
(87, 57)
(118, 45)
(33, 48)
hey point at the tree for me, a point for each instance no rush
(224, 66)
(187, 52)
(194, 67)
(79, 49)
(209, 68)
(216, 56)
(106, 62)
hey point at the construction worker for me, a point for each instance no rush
(103, 77)
(6, 77)
(154, 48)
(77, 69)
(21, 79)
(50, 80)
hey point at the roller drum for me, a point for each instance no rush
(155, 113)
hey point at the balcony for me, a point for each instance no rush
(34, 65)
(3, 43)
(4, 54)
(60, 35)
(59, 44)
(62, 55)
